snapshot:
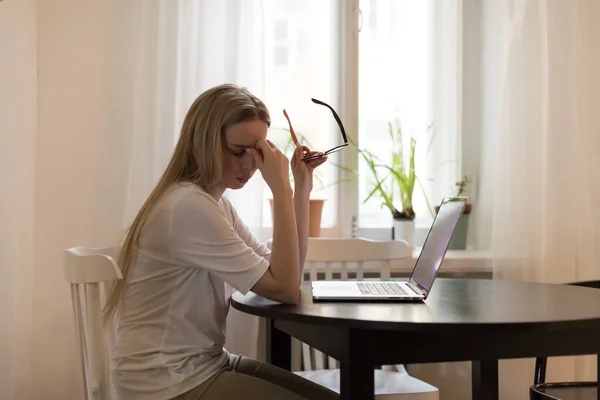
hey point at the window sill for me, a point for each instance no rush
(456, 263)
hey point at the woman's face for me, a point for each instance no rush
(238, 164)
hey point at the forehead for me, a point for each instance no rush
(246, 133)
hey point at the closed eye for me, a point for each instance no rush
(240, 153)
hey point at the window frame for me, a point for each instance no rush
(348, 201)
(348, 191)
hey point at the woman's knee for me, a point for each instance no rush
(283, 378)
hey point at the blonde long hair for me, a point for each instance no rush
(198, 158)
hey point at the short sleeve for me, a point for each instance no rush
(244, 232)
(201, 236)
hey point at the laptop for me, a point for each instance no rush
(421, 279)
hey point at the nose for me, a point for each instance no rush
(248, 163)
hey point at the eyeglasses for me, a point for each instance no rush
(339, 122)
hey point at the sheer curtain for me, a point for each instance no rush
(547, 176)
(181, 49)
(92, 102)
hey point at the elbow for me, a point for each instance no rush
(289, 292)
(285, 289)
(292, 296)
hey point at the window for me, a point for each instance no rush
(280, 43)
(403, 68)
(408, 64)
(307, 32)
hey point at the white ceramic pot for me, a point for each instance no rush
(404, 229)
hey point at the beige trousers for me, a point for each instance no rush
(249, 379)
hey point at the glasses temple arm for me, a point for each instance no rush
(335, 116)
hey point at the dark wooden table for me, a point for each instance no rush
(476, 320)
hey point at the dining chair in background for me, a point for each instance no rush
(355, 258)
(542, 390)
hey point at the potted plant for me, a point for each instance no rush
(459, 238)
(397, 177)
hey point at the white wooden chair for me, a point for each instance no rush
(352, 258)
(87, 270)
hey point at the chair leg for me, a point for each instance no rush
(540, 370)
(598, 376)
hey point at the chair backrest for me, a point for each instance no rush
(87, 270)
(539, 376)
(353, 256)
(347, 258)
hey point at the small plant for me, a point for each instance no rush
(399, 176)
(461, 186)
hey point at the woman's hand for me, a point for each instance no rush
(303, 170)
(273, 165)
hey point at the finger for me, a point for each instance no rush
(258, 160)
(271, 144)
(315, 163)
(264, 146)
(314, 153)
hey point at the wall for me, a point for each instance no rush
(79, 180)
(18, 99)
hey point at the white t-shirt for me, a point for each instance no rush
(170, 329)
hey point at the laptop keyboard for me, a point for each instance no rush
(382, 288)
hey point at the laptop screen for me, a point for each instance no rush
(437, 241)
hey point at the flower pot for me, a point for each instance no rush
(404, 229)
(316, 211)
(315, 214)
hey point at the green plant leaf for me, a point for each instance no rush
(426, 199)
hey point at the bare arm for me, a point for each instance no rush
(303, 178)
(281, 282)
(302, 211)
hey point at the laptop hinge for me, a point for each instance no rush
(416, 288)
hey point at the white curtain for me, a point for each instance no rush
(92, 98)
(546, 223)
(180, 49)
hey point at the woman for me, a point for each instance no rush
(187, 248)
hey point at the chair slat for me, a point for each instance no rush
(313, 271)
(331, 364)
(296, 355)
(79, 330)
(306, 357)
(319, 358)
(328, 271)
(385, 271)
(360, 270)
(344, 271)
(96, 340)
